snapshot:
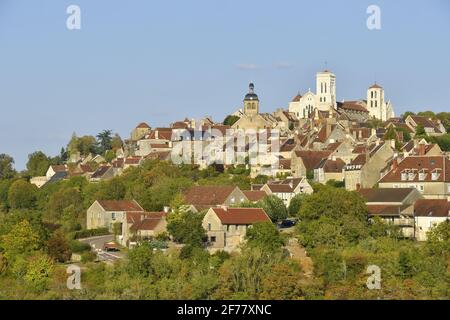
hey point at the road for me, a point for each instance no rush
(97, 245)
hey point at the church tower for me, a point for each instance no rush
(325, 90)
(251, 101)
(377, 106)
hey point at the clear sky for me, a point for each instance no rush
(160, 61)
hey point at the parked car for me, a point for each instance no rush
(287, 223)
(110, 246)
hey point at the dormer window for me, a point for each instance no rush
(422, 175)
(404, 176)
(434, 176)
(411, 176)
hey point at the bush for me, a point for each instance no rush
(79, 247)
(91, 233)
(88, 256)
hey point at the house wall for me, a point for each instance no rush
(235, 197)
(97, 217)
(424, 224)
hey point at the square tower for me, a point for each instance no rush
(325, 90)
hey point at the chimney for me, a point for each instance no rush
(421, 149)
(394, 164)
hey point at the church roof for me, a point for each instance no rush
(375, 86)
(297, 98)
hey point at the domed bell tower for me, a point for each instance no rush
(251, 101)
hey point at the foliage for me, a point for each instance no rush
(230, 120)
(38, 164)
(295, 204)
(22, 195)
(274, 207)
(91, 233)
(6, 167)
(264, 235)
(186, 227)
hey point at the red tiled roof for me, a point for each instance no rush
(386, 195)
(297, 98)
(431, 208)
(312, 158)
(353, 106)
(359, 160)
(120, 205)
(333, 165)
(59, 168)
(375, 86)
(133, 160)
(208, 195)
(255, 195)
(240, 216)
(148, 221)
(385, 210)
(142, 125)
(418, 163)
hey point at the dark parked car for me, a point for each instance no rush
(287, 223)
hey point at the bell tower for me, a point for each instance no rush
(251, 101)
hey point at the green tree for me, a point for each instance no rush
(21, 240)
(274, 207)
(58, 248)
(116, 142)
(230, 120)
(6, 167)
(295, 204)
(186, 227)
(104, 140)
(265, 235)
(420, 131)
(37, 164)
(38, 272)
(332, 216)
(22, 195)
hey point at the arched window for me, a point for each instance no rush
(325, 87)
(371, 94)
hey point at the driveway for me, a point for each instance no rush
(97, 243)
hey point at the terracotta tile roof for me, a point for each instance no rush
(352, 106)
(255, 195)
(59, 168)
(333, 146)
(133, 160)
(297, 98)
(312, 158)
(431, 208)
(241, 216)
(359, 160)
(385, 210)
(285, 164)
(120, 205)
(142, 125)
(208, 195)
(386, 195)
(375, 86)
(415, 164)
(360, 149)
(287, 146)
(330, 165)
(426, 123)
(148, 221)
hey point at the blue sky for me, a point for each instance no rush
(160, 61)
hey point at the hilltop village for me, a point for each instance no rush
(353, 185)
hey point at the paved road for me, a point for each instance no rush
(97, 245)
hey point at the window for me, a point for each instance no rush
(113, 216)
(213, 239)
(421, 188)
(435, 176)
(371, 94)
(404, 176)
(324, 99)
(209, 226)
